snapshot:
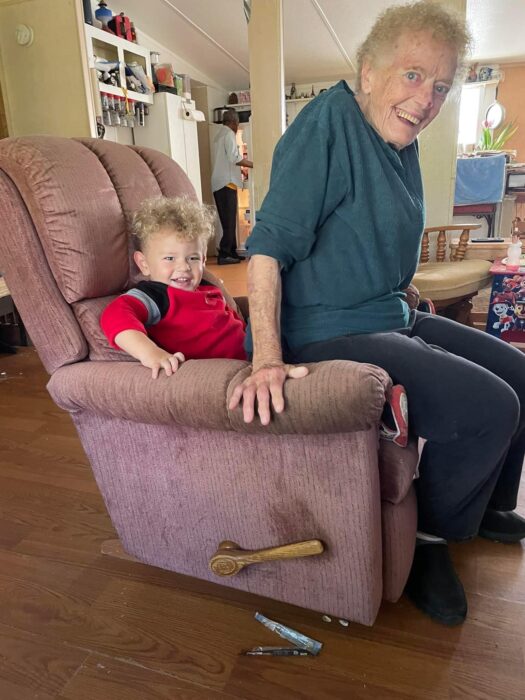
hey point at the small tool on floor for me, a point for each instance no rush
(303, 645)
(276, 651)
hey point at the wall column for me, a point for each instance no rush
(265, 39)
(438, 150)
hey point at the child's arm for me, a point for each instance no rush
(123, 323)
(148, 353)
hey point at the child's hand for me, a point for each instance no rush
(158, 359)
(142, 348)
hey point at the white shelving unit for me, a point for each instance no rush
(477, 83)
(249, 104)
(113, 48)
(293, 107)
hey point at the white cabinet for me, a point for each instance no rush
(47, 86)
(168, 131)
(112, 48)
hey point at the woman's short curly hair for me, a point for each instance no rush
(184, 216)
(425, 15)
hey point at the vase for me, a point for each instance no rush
(103, 14)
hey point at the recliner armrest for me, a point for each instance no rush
(337, 396)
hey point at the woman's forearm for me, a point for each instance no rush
(264, 294)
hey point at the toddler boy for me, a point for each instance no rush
(174, 315)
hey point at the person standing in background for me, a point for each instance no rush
(225, 180)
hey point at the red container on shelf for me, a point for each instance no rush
(121, 26)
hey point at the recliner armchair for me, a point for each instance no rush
(178, 471)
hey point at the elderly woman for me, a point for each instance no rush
(337, 241)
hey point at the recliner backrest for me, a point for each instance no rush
(67, 206)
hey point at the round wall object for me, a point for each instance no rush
(24, 35)
(495, 115)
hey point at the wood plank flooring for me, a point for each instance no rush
(233, 276)
(77, 625)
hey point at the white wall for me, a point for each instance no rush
(206, 99)
(438, 152)
(45, 84)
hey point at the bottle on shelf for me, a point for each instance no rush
(123, 112)
(106, 115)
(514, 253)
(114, 110)
(131, 114)
(139, 114)
(186, 86)
(293, 92)
(88, 12)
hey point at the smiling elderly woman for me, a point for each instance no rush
(336, 244)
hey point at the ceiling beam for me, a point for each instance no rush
(206, 35)
(333, 34)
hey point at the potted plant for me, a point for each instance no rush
(494, 139)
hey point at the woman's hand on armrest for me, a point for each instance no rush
(148, 353)
(265, 386)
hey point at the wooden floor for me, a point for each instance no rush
(233, 276)
(77, 625)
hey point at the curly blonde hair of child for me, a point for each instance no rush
(183, 216)
(443, 25)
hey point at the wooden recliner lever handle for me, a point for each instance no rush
(229, 558)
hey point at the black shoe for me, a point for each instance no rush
(502, 526)
(227, 260)
(236, 255)
(433, 585)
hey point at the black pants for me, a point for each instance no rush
(466, 397)
(226, 201)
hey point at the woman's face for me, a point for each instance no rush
(405, 90)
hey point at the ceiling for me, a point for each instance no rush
(320, 36)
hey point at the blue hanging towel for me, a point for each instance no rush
(480, 180)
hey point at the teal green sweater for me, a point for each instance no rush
(344, 217)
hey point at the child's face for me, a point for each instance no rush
(174, 262)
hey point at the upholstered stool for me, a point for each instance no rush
(451, 285)
(446, 281)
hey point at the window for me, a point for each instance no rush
(475, 99)
(469, 115)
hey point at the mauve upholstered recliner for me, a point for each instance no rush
(177, 470)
